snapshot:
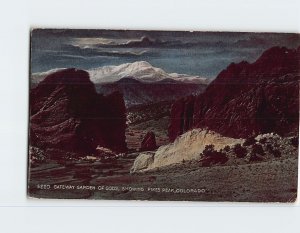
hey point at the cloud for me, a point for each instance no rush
(145, 42)
(252, 41)
(142, 42)
(150, 42)
(121, 53)
(88, 53)
(266, 40)
(94, 42)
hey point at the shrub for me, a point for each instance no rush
(262, 140)
(254, 157)
(273, 151)
(249, 141)
(226, 148)
(208, 150)
(269, 147)
(211, 156)
(258, 149)
(276, 153)
(294, 141)
(240, 151)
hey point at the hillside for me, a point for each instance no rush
(136, 92)
(246, 99)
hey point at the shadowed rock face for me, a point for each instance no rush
(246, 99)
(182, 112)
(66, 113)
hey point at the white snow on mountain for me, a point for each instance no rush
(140, 70)
(37, 77)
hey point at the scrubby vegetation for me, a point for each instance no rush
(262, 140)
(240, 151)
(249, 141)
(295, 141)
(254, 157)
(256, 152)
(210, 156)
(209, 150)
(258, 149)
(275, 152)
(226, 148)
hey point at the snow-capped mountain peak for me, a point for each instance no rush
(140, 70)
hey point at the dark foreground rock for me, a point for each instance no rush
(66, 113)
(246, 99)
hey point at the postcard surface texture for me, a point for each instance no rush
(163, 115)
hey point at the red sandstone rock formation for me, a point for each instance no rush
(67, 114)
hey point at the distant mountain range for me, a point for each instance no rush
(136, 92)
(139, 82)
(141, 70)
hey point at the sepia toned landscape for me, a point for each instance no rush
(149, 115)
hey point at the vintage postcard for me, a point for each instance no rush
(164, 115)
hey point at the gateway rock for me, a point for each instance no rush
(66, 113)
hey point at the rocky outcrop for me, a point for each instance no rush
(246, 99)
(188, 146)
(149, 142)
(182, 112)
(66, 113)
(142, 162)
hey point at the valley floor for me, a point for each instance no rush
(270, 181)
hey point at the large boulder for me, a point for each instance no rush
(246, 99)
(66, 113)
(149, 142)
(188, 146)
(142, 162)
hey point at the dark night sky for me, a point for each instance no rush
(198, 53)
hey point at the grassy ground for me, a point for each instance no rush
(269, 181)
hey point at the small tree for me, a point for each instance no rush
(273, 151)
(208, 150)
(254, 157)
(240, 151)
(258, 149)
(276, 153)
(226, 148)
(262, 140)
(211, 156)
(249, 141)
(294, 141)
